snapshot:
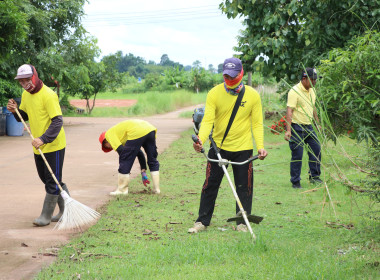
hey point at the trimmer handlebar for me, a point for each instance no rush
(223, 161)
(196, 140)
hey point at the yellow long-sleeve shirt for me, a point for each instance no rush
(120, 133)
(248, 120)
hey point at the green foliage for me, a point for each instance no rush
(372, 182)
(350, 89)
(8, 89)
(290, 32)
(14, 28)
(49, 35)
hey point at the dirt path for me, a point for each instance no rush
(104, 103)
(89, 173)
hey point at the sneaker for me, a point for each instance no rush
(316, 180)
(198, 226)
(242, 228)
(297, 185)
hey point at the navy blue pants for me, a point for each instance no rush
(55, 160)
(243, 176)
(301, 135)
(132, 147)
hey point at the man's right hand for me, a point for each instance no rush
(198, 146)
(288, 134)
(12, 105)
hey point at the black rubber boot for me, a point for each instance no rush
(47, 210)
(61, 205)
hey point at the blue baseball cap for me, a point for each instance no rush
(232, 66)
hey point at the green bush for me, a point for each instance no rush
(350, 88)
(8, 90)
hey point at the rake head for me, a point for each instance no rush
(76, 215)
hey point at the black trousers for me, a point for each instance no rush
(132, 148)
(243, 177)
(304, 135)
(55, 160)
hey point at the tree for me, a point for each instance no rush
(197, 64)
(292, 33)
(220, 68)
(164, 60)
(211, 68)
(350, 88)
(31, 31)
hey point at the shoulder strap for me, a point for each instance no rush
(233, 114)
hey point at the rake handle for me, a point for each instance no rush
(41, 153)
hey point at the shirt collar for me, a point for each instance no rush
(302, 88)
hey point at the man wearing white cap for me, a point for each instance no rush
(39, 104)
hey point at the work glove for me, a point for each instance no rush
(144, 178)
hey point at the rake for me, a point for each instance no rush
(75, 215)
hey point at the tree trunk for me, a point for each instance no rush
(250, 78)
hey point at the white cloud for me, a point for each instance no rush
(184, 30)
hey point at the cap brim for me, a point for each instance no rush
(231, 73)
(23, 76)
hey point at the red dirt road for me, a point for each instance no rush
(105, 103)
(89, 174)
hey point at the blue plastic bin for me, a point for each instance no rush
(13, 127)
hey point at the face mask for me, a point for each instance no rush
(236, 81)
(27, 85)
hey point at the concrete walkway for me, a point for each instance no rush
(89, 173)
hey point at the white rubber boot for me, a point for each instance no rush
(156, 181)
(122, 187)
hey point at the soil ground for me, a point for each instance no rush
(104, 103)
(89, 174)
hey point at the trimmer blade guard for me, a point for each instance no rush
(252, 218)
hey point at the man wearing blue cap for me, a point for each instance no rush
(237, 145)
(300, 114)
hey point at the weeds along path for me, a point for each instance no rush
(89, 173)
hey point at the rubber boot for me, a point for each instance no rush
(122, 187)
(61, 205)
(47, 210)
(156, 181)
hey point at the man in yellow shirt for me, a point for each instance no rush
(300, 114)
(127, 138)
(238, 144)
(39, 105)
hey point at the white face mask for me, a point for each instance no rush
(27, 84)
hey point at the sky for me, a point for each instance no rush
(184, 30)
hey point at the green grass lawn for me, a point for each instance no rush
(149, 103)
(144, 236)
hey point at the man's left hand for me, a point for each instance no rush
(37, 143)
(262, 153)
